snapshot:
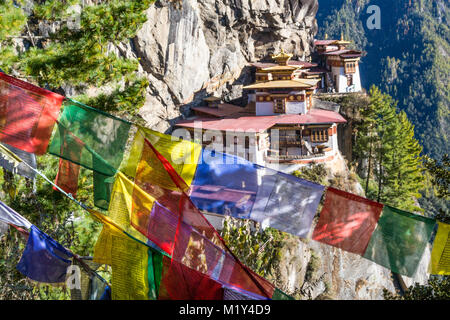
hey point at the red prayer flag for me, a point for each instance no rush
(179, 228)
(27, 114)
(347, 221)
(179, 282)
(67, 177)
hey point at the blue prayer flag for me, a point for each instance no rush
(44, 259)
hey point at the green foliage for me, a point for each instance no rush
(76, 58)
(411, 64)
(259, 249)
(313, 172)
(12, 20)
(385, 140)
(438, 288)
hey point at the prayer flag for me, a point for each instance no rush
(224, 184)
(27, 114)
(399, 240)
(17, 167)
(347, 221)
(8, 215)
(440, 255)
(196, 244)
(44, 259)
(183, 156)
(92, 139)
(229, 185)
(67, 177)
(129, 263)
(107, 252)
(179, 282)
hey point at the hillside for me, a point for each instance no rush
(407, 58)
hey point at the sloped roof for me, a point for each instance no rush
(242, 123)
(294, 83)
(223, 110)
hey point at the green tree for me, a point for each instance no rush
(72, 57)
(385, 140)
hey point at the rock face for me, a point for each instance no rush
(312, 270)
(190, 48)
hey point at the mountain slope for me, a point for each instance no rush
(407, 58)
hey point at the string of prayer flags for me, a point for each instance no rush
(17, 167)
(399, 240)
(347, 221)
(92, 139)
(229, 185)
(27, 114)
(44, 259)
(183, 156)
(179, 282)
(9, 216)
(225, 184)
(440, 255)
(194, 237)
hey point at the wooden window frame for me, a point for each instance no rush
(319, 135)
(276, 108)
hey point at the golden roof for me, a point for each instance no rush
(282, 58)
(295, 83)
(342, 41)
(281, 68)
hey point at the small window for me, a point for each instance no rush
(279, 105)
(319, 135)
(349, 80)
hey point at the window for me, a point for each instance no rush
(319, 135)
(279, 105)
(349, 80)
(350, 67)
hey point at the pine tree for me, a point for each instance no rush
(386, 140)
(77, 58)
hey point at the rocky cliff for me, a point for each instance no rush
(191, 48)
(312, 270)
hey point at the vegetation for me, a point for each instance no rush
(411, 64)
(258, 249)
(385, 139)
(438, 287)
(74, 58)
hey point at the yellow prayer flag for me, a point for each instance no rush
(129, 263)
(121, 204)
(440, 256)
(128, 260)
(183, 155)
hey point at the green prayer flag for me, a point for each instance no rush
(94, 140)
(280, 295)
(399, 240)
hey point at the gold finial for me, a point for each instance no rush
(326, 36)
(342, 36)
(282, 58)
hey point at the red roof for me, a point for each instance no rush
(220, 193)
(262, 123)
(343, 52)
(303, 64)
(223, 110)
(323, 42)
